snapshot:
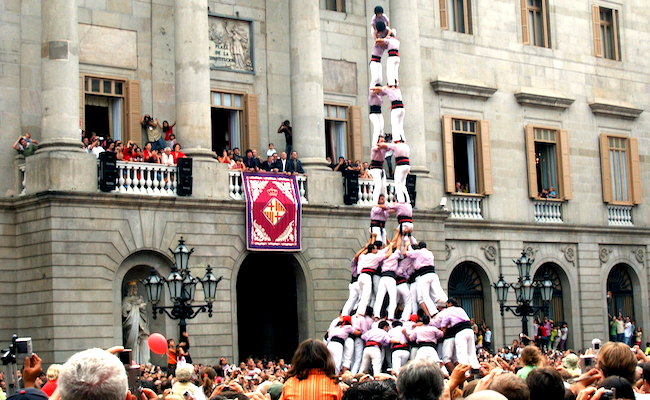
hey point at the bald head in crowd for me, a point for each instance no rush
(420, 380)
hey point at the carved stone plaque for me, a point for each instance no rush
(231, 44)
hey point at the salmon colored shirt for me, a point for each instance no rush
(317, 386)
(171, 356)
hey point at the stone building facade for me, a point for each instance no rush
(505, 97)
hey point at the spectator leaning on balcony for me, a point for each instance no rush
(167, 158)
(96, 147)
(154, 132)
(177, 153)
(282, 165)
(295, 166)
(22, 146)
(268, 165)
(251, 162)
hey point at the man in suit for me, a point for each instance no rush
(282, 165)
(295, 166)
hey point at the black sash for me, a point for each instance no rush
(396, 104)
(337, 340)
(375, 109)
(393, 53)
(402, 161)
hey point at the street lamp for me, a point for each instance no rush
(182, 288)
(524, 288)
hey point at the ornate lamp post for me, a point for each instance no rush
(524, 288)
(182, 287)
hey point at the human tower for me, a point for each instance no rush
(401, 269)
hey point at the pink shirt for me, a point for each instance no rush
(437, 319)
(379, 214)
(393, 94)
(377, 335)
(391, 44)
(375, 99)
(399, 149)
(453, 316)
(377, 50)
(421, 258)
(383, 18)
(370, 260)
(402, 209)
(426, 333)
(333, 324)
(342, 331)
(390, 263)
(359, 323)
(398, 334)
(405, 268)
(378, 153)
(353, 267)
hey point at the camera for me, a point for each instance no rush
(595, 344)
(23, 348)
(609, 394)
(587, 363)
(132, 372)
(186, 394)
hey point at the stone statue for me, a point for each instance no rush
(135, 326)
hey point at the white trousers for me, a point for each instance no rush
(377, 122)
(400, 357)
(381, 233)
(386, 285)
(404, 297)
(375, 286)
(466, 349)
(426, 284)
(375, 74)
(348, 352)
(365, 287)
(359, 344)
(353, 298)
(379, 181)
(392, 71)
(401, 173)
(397, 123)
(448, 349)
(427, 352)
(371, 356)
(336, 350)
(415, 305)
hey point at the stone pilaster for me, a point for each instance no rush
(404, 18)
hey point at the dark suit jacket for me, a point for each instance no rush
(280, 167)
(297, 168)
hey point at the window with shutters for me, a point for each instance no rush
(535, 24)
(549, 170)
(333, 5)
(455, 15)
(606, 33)
(343, 131)
(102, 110)
(620, 169)
(468, 164)
(227, 121)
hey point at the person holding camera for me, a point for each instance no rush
(154, 132)
(285, 128)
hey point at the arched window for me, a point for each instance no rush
(465, 285)
(620, 286)
(556, 309)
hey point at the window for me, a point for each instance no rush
(333, 5)
(619, 159)
(534, 22)
(468, 162)
(455, 15)
(110, 107)
(235, 121)
(548, 162)
(343, 132)
(606, 36)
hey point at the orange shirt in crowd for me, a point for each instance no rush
(317, 386)
(171, 356)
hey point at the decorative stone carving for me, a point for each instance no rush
(639, 254)
(448, 250)
(570, 254)
(230, 44)
(615, 110)
(604, 254)
(490, 252)
(530, 252)
(460, 88)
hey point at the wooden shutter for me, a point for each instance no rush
(134, 112)
(615, 36)
(598, 41)
(82, 102)
(567, 192)
(444, 16)
(546, 26)
(448, 150)
(604, 166)
(636, 171)
(530, 158)
(252, 140)
(354, 140)
(525, 33)
(486, 158)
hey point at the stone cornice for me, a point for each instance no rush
(615, 110)
(543, 100)
(459, 88)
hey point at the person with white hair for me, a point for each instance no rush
(183, 380)
(420, 379)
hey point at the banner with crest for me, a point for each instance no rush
(273, 212)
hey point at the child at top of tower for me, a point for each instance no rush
(383, 28)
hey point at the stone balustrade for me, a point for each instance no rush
(366, 190)
(146, 178)
(548, 211)
(619, 215)
(466, 207)
(22, 175)
(236, 186)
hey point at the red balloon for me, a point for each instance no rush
(157, 343)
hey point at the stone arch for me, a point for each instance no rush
(138, 265)
(621, 282)
(304, 295)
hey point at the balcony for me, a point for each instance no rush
(548, 211)
(236, 188)
(466, 207)
(146, 178)
(619, 215)
(367, 188)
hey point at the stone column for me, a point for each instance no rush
(191, 49)
(404, 18)
(60, 161)
(308, 118)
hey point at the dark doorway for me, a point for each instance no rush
(267, 305)
(97, 121)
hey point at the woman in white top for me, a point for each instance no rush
(208, 379)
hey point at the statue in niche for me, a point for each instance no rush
(135, 326)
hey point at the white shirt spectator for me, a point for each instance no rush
(628, 329)
(270, 152)
(167, 159)
(97, 151)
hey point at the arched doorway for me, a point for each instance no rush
(620, 291)
(271, 306)
(556, 307)
(466, 286)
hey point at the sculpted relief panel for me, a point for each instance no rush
(231, 44)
